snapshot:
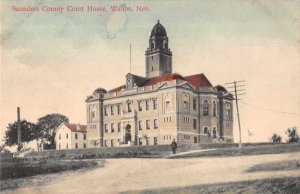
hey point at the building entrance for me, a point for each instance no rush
(127, 134)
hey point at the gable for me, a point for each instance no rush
(165, 85)
(186, 85)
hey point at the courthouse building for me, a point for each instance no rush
(160, 106)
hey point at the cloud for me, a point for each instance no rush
(116, 23)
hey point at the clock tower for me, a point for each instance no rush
(158, 55)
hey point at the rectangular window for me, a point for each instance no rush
(105, 143)
(147, 105)
(93, 114)
(119, 109)
(205, 107)
(194, 104)
(155, 124)
(59, 146)
(155, 140)
(84, 136)
(76, 136)
(112, 126)
(195, 139)
(186, 137)
(119, 127)
(140, 141)
(84, 145)
(67, 136)
(67, 146)
(59, 136)
(154, 105)
(105, 110)
(105, 128)
(112, 110)
(129, 106)
(140, 125)
(112, 143)
(76, 145)
(148, 124)
(195, 123)
(140, 106)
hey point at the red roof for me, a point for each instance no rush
(73, 127)
(198, 80)
(163, 78)
(117, 89)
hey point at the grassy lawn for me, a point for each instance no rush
(23, 167)
(251, 150)
(282, 165)
(281, 185)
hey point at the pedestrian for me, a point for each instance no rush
(174, 146)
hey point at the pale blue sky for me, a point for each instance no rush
(52, 61)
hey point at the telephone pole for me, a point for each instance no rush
(130, 58)
(237, 88)
(19, 129)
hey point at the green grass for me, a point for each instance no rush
(282, 165)
(251, 150)
(23, 167)
(281, 185)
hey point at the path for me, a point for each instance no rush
(132, 174)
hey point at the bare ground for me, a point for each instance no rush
(120, 175)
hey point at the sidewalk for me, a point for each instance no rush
(188, 152)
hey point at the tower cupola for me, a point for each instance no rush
(158, 54)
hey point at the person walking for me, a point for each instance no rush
(174, 146)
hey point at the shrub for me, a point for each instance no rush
(276, 138)
(293, 136)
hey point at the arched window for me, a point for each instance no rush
(152, 45)
(165, 44)
(185, 102)
(205, 131)
(205, 108)
(214, 108)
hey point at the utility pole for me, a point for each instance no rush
(130, 57)
(236, 85)
(19, 129)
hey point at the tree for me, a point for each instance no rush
(292, 134)
(47, 126)
(28, 133)
(276, 138)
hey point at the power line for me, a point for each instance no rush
(237, 88)
(271, 110)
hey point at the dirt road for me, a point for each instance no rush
(131, 174)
